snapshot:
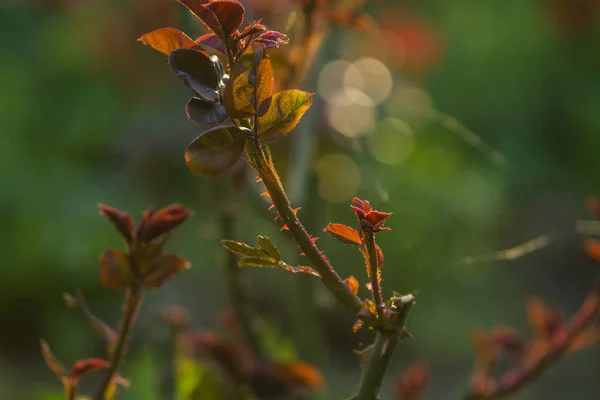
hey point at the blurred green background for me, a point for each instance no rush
(89, 115)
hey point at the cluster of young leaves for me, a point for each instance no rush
(144, 264)
(243, 91)
(265, 255)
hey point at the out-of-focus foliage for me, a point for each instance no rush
(88, 115)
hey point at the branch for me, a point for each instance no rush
(329, 277)
(133, 298)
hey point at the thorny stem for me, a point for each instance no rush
(510, 383)
(329, 277)
(374, 274)
(382, 350)
(133, 298)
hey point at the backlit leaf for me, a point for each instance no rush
(53, 364)
(257, 262)
(197, 71)
(83, 367)
(352, 284)
(166, 40)
(284, 113)
(165, 268)
(204, 113)
(114, 269)
(227, 16)
(163, 221)
(302, 269)
(345, 234)
(265, 86)
(272, 39)
(265, 243)
(216, 150)
(242, 248)
(122, 221)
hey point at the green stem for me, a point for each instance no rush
(383, 348)
(133, 298)
(374, 370)
(329, 277)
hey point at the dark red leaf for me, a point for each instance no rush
(252, 29)
(197, 71)
(83, 367)
(228, 16)
(215, 151)
(115, 272)
(121, 220)
(377, 217)
(345, 234)
(201, 112)
(166, 267)
(163, 221)
(212, 41)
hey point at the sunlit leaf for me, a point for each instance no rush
(265, 86)
(257, 262)
(121, 220)
(204, 113)
(114, 269)
(345, 234)
(352, 284)
(166, 267)
(265, 243)
(166, 40)
(197, 71)
(216, 150)
(164, 221)
(302, 269)
(284, 113)
(250, 30)
(243, 248)
(53, 364)
(83, 367)
(238, 97)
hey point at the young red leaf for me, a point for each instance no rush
(53, 364)
(265, 243)
(115, 272)
(165, 268)
(216, 150)
(243, 248)
(166, 40)
(410, 385)
(164, 221)
(201, 112)
(83, 367)
(285, 111)
(197, 71)
(250, 30)
(212, 41)
(345, 234)
(272, 39)
(122, 221)
(352, 284)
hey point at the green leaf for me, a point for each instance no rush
(216, 150)
(114, 269)
(204, 113)
(257, 262)
(165, 268)
(166, 40)
(197, 71)
(238, 97)
(265, 243)
(285, 111)
(265, 86)
(243, 248)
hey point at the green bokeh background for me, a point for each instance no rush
(89, 115)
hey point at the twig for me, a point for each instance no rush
(329, 277)
(133, 298)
